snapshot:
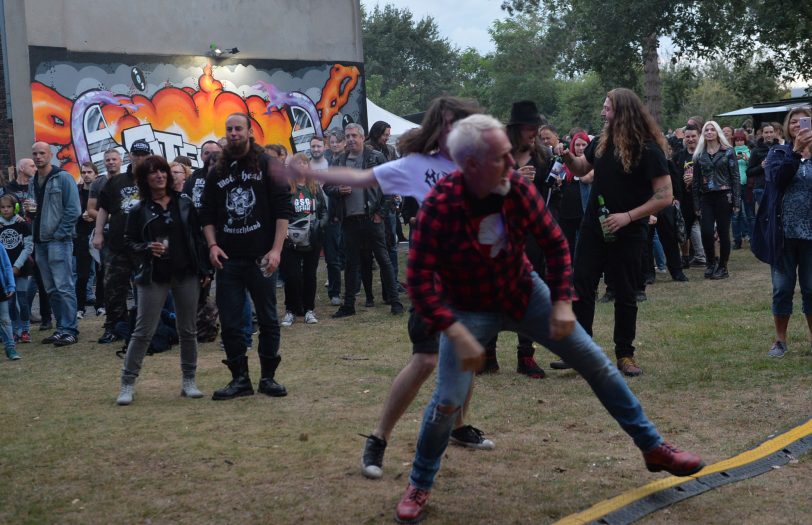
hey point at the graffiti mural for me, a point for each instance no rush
(87, 103)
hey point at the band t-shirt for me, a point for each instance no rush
(118, 197)
(623, 191)
(12, 237)
(413, 175)
(243, 206)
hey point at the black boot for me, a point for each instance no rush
(491, 365)
(710, 268)
(240, 384)
(267, 385)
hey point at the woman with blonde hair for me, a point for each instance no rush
(300, 254)
(783, 233)
(717, 195)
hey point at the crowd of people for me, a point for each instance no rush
(510, 228)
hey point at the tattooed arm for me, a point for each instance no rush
(662, 197)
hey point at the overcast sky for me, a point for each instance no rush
(464, 22)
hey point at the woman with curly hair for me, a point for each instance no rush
(631, 183)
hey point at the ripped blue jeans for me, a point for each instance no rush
(578, 350)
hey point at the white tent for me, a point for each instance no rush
(399, 125)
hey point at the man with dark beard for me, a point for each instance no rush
(631, 183)
(245, 221)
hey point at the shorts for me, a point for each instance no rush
(424, 339)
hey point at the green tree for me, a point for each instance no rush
(580, 102)
(523, 66)
(413, 62)
(476, 76)
(615, 38)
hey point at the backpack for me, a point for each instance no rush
(165, 336)
(208, 322)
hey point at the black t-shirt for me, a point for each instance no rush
(623, 191)
(193, 187)
(243, 206)
(12, 236)
(178, 261)
(83, 228)
(118, 197)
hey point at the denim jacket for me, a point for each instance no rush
(58, 207)
(780, 167)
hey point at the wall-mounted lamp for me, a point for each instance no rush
(217, 52)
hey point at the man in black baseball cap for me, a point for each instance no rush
(119, 195)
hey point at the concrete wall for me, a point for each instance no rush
(317, 30)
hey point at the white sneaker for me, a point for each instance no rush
(335, 301)
(310, 317)
(288, 319)
(100, 311)
(80, 314)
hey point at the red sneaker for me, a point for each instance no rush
(412, 506)
(529, 367)
(25, 337)
(669, 458)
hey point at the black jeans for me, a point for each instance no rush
(334, 257)
(118, 270)
(362, 235)
(300, 268)
(84, 261)
(717, 209)
(621, 262)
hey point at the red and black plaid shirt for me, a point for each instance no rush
(447, 265)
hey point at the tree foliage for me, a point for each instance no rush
(413, 62)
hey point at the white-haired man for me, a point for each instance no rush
(469, 278)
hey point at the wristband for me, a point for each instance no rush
(212, 245)
(630, 217)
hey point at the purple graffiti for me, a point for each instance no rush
(278, 99)
(80, 106)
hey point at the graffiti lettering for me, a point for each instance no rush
(184, 107)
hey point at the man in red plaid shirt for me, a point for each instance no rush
(469, 278)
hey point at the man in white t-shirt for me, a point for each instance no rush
(425, 161)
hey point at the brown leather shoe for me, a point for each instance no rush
(629, 367)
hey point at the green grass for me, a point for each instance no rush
(69, 455)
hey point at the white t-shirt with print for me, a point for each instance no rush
(413, 175)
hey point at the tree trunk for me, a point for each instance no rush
(653, 83)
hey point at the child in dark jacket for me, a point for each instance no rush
(18, 242)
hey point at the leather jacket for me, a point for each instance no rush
(137, 237)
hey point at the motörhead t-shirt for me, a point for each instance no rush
(413, 175)
(243, 205)
(118, 197)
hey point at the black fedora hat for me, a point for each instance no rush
(525, 112)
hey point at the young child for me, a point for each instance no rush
(18, 243)
(7, 288)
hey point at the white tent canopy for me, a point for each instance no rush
(399, 125)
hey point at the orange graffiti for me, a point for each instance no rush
(198, 114)
(336, 92)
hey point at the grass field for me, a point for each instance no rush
(69, 455)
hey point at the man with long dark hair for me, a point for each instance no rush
(425, 161)
(633, 183)
(245, 221)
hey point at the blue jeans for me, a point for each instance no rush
(797, 262)
(578, 350)
(5, 323)
(743, 220)
(19, 308)
(237, 277)
(55, 262)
